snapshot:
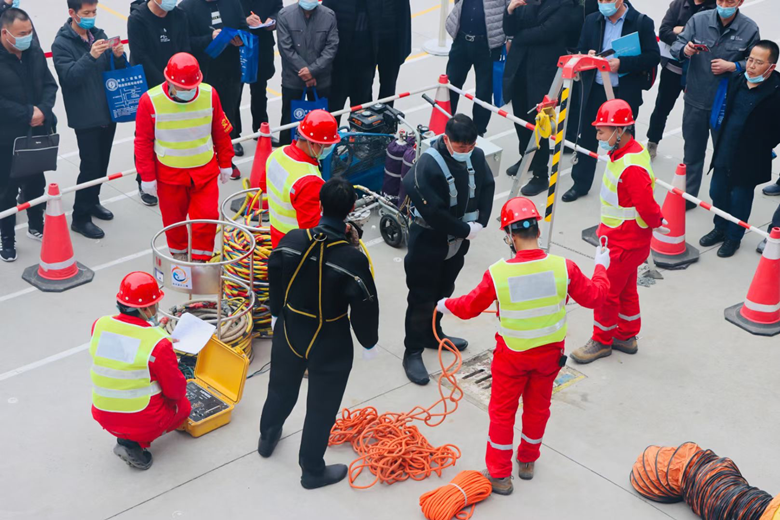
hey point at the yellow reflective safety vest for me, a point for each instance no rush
(182, 131)
(282, 172)
(612, 213)
(531, 301)
(120, 365)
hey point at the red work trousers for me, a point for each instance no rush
(529, 375)
(175, 413)
(619, 317)
(199, 202)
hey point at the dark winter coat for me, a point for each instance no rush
(752, 161)
(145, 31)
(25, 84)
(264, 9)
(539, 38)
(588, 7)
(397, 33)
(81, 77)
(346, 17)
(201, 31)
(680, 11)
(633, 66)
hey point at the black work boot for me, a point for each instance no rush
(538, 184)
(512, 170)
(132, 453)
(332, 474)
(459, 343)
(415, 368)
(267, 444)
(716, 236)
(85, 226)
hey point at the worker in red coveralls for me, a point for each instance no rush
(182, 145)
(293, 179)
(138, 392)
(531, 290)
(629, 213)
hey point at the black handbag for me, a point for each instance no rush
(34, 154)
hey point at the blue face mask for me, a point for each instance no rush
(461, 156)
(608, 9)
(308, 5)
(726, 12)
(87, 23)
(168, 5)
(325, 152)
(22, 42)
(757, 79)
(185, 95)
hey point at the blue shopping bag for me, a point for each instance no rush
(719, 105)
(300, 107)
(498, 79)
(250, 57)
(220, 43)
(124, 89)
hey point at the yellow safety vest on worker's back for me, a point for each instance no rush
(182, 131)
(282, 172)
(612, 213)
(531, 301)
(120, 365)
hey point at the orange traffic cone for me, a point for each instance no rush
(760, 314)
(58, 270)
(672, 251)
(439, 120)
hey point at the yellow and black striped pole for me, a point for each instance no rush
(560, 132)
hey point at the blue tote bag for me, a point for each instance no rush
(300, 107)
(250, 57)
(498, 79)
(124, 88)
(220, 43)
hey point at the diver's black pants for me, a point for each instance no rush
(327, 382)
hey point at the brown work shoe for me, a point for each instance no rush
(629, 346)
(592, 351)
(526, 470)
(501, 486)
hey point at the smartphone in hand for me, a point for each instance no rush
(114, 41)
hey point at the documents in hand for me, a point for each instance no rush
(270, 23)
(628, 45)
(192, 333)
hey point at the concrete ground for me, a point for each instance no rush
(696, 377)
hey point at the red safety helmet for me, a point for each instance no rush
(183, 71)
(614, 112)
(517, 210)
(320, 127)
(139, 289)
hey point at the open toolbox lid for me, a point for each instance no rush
(223, 369)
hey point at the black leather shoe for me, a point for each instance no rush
(100, 212)
(761, 247)
(415, 369)
(728, 248)
(332, 474)
(238, 150)
(459, 343)
(772, 190)
(267, 445)
(512, 170)
(535, 186)
(87, 228)
(571, 195)
(716, 236)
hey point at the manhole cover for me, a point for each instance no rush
(476, 381)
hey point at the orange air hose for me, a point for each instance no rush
(450, 501)
(389, 445)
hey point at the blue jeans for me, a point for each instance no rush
(736, 200)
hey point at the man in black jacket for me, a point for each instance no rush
(744, 144)
(258, 12)
(358, 23)
(629, 76)
(671, 83)
(207, 18)
(156, 30)
(316, 280)
(539, 35)
(395, 44)
(27, 96)
(451, 187)
(81, 54)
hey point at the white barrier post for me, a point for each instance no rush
(440, 47)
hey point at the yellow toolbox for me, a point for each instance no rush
(220, 374)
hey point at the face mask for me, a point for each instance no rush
(726, 12)
(151, 320)
(459, 156)
(168, 5)
(15, 4)
(22, 42)
(87, 23)
(308, 6)
(757, 79)
(185, 95)
(325, 152)
(608, 9)
(604, 145)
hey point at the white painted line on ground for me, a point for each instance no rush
(43, 362)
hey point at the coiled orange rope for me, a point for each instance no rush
(389, 445)
(467, 489)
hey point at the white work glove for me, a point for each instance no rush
(273, 322)
(602, 256)
(663, 229)
(224, 174)
(474, 228)
(150, 188)
(443, 308)
(370, 353)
